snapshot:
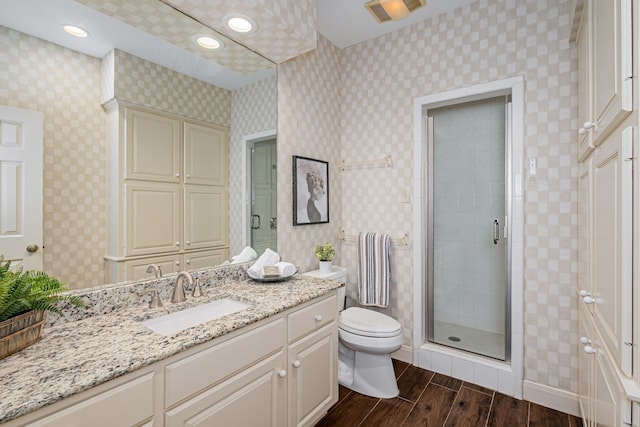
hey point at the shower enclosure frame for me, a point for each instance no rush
(505, 377)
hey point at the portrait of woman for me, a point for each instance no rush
(310, 191)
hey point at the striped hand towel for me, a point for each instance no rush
(373, 269)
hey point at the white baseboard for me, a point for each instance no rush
(554, 398)
(405, 354)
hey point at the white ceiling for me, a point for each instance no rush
(347, 22)
(343, 22)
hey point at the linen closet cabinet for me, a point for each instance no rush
(607, 358)
(168, 193)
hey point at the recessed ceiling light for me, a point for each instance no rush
(239, 23)
(208, 42)
(75, 31)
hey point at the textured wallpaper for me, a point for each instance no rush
(151, 85)
(65, 87)
(309, 126)
(253, 110)
(378, 80)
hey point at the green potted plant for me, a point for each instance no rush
(25, 297)
(325, 253)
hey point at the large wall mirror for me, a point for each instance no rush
(140, 54)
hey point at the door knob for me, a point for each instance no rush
(32, 248)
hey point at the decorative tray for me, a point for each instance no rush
(271, 279)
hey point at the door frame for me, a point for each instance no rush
(248, 142)
(508, 376)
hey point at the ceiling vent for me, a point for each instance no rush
(391, 10)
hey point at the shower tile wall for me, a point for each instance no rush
(468, 192)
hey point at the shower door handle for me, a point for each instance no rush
(496, 231)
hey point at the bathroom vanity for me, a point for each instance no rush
(271, 364)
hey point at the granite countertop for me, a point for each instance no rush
(76, 356)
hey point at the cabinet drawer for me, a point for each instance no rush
(312, 317)
(100, 409)
(195, 373)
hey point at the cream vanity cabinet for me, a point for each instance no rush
(605, 90)
(279, 372)
(168, 190)
(605, 211)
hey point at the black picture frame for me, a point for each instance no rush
(310, 191)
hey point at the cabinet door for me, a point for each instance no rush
(612, 70)
(152, 218)
(611, 408)
(584, 228)
(586, 363)
(137, 269)
(254, 397)
(152, 147)
(612, 231)
(206, 155)
(205, 259)
(206, 217)
(313, 379)
(585, 114)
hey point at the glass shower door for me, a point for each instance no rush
(468, 290)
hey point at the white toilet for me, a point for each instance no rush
(367, 339)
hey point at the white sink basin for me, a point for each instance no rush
(169, 324)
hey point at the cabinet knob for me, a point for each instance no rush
(585, 340)
(282, 373)
(317, 318)
(177, 243)
(296, 363)
(177, 262)
(588, 300)
(177, 175)
(582, 131)
(188, 242)
(584, 292)
(188, 261)
(588, 125)
(589, 350)
(188, 176)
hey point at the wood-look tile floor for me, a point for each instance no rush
(429, 399)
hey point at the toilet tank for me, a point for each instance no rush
(337, 273)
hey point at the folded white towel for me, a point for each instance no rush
(267, 259)
(246, 255)
(286, 268)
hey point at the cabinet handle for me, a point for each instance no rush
(585, 340)
(588, 300)
(496, 231)
(296, 363)
(282, 373)
(588, 125)
(317, 317)
(584, 293)
(589, 350)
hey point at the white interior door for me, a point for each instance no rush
(21, 187)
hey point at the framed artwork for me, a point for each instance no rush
(310, 191)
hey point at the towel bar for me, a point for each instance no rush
(384, 162)
(402, 241)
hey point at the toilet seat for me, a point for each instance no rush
(370, 323)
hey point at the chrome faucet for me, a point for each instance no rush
(178, 290)
(155, 269)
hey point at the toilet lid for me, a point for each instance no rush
(369, 323)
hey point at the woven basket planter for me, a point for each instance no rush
(20, 331)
